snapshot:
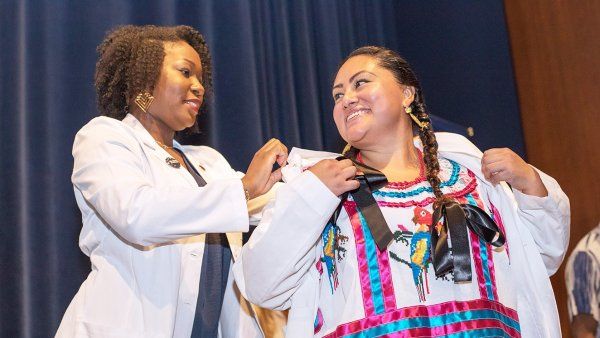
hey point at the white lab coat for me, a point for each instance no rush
(143, 226)
(277, 266)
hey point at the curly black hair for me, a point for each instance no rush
(130, 61)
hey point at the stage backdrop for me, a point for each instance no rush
(273, 66)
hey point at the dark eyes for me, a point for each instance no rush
(186, 72)
(356, 84)
(359, 83)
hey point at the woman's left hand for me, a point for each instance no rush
(503, 164)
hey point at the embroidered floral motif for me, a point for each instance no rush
(333, 252)
(419, 243)
(456, 181)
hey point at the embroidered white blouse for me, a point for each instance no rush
(338, 284)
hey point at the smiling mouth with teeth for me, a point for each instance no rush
(356, 114)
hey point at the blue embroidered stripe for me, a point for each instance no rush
(486, 269)
(401, 194)
(371, 254)
(491, 332)
(440, 321)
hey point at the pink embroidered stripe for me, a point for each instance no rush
(363, 268)
(489, 270)
(385, 271)
(382, 261)
(476, 252)
(474, 314)
(483, 258)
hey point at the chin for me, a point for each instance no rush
(354, 137)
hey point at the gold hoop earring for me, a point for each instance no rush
(144, 100)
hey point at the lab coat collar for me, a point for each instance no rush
(149, 141)
(144, 135)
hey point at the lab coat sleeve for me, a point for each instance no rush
(282, 249)
(548, 220)
(110, 173)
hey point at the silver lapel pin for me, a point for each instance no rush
(173, 162)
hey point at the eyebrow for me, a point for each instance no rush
(190, 62)
(339, 85)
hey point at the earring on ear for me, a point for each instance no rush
(144, 100)
(421, 124)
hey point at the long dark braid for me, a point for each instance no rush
(404, 74)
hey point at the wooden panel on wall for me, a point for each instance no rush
(555, 47)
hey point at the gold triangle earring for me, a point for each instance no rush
(144, 100)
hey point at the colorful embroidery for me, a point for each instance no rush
(420, 246)
(479, 317)
(475, 318)
(457, 182)
(373, 267)
(333, 252)
(483, 258)
(401, 194)
(419, 243)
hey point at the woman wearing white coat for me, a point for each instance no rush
(385, 263)
(155, 213)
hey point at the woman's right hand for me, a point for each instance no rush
(260, 176)
(338, 176)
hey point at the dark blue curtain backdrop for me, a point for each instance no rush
(273, 66)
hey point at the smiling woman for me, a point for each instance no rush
(360, 247)
(162, 222)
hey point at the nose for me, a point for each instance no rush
(349, 100)
(197, 88)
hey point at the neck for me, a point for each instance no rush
(161, 133)
(401, 156)
(399, 162)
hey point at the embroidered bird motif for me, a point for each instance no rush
(329, 245)
(420, 245)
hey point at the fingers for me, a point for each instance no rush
(351, 185)
(275, 177)
(503, 164)
(259, 178)
(338, 176)
(491, 171)
(495, 155)
(274, 150)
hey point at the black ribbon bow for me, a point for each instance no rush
(456, 219)
(370, 180)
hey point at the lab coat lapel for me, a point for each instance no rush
(154, 150)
